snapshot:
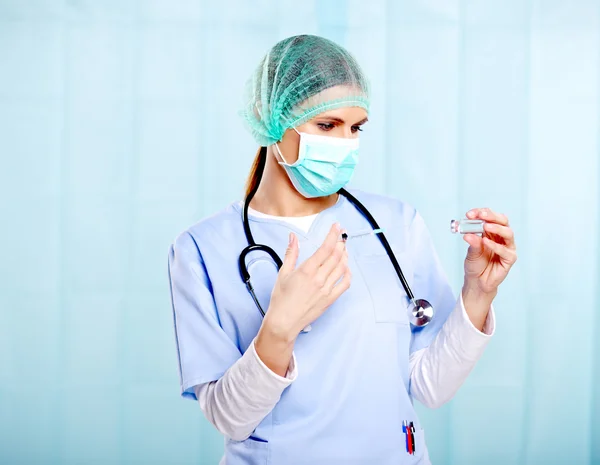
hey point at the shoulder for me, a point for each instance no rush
(206, 231)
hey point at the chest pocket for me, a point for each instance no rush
(390, 301)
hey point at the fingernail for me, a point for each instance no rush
(290, 239)
(483, 213)
(470, 213)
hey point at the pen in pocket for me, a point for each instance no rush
(363, 232)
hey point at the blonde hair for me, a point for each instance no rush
(256, 169)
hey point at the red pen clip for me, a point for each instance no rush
(412, 434)
(409, 430)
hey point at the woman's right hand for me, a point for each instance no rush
(302, 294)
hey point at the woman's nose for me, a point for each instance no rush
(348, 134)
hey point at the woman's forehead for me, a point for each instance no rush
(350, 115)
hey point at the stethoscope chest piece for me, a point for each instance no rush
(420, 312)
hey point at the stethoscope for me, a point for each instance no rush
(420, 312)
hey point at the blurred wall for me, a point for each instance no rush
(118, 129)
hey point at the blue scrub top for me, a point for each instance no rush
(352, 392)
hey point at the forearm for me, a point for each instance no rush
(274, 345)
(477, 304)
(438, 371)
(237, 402)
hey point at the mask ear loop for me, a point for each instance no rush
(281, 154)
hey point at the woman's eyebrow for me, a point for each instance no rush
(341, 121)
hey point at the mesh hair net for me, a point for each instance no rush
(300, 77)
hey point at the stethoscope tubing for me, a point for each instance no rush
(253, 246)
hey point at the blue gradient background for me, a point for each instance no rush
(118, 129)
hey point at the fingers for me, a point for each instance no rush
(291, 255)
(508, 255)
(478, 243)
(342, 286)
(325, 250)
(487, 215)
(505, 232)
(331, 262)
(336, 272)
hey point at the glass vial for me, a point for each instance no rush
(467, 226)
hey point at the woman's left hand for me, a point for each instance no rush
(490, 257)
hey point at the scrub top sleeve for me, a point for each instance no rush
(430, 283)
(204, 350)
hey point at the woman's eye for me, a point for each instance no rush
(326, 126)
(330, 126)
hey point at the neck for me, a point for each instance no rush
(276, 195)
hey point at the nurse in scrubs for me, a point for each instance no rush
(329, 375)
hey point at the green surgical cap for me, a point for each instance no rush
(299, 78)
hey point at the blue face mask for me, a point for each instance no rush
(325, 164)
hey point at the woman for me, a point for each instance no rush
(329, 374)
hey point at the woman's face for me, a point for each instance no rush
(341, 122)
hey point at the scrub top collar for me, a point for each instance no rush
(341, 201)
